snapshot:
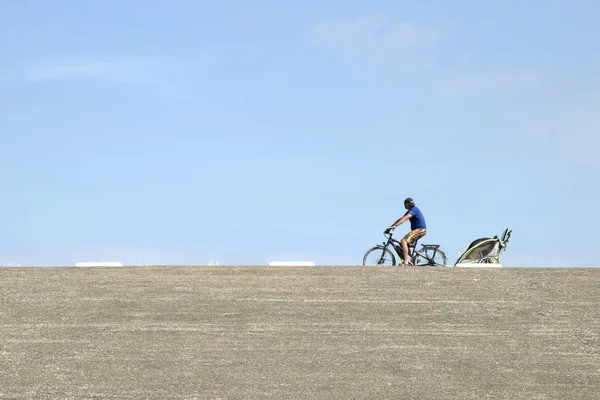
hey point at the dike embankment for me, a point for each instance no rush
(255, 332)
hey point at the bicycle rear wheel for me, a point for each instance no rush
(379, 256)
(431, 256)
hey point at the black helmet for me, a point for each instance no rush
(409, 201)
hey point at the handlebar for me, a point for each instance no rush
(388, 234)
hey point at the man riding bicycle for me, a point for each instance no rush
(418, 227)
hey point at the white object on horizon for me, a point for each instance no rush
(478, 265)
(291, 264)
(99, 264)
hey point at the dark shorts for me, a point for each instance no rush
(412, 236)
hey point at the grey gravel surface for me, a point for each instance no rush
(257, 332)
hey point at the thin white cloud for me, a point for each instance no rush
(81, 69)
(129, 69)
(567, 126)
(487, 82)
(375, 38)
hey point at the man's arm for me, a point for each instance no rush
(400, 221)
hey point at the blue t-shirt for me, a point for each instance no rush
(417, 220)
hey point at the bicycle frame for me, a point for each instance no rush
(397, 246)
(427, 255)
(430, 260)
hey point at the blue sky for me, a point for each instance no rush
(244, 132)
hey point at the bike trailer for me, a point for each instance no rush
(485, 250)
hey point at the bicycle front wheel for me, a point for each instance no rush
(431, 256)
(379, 256)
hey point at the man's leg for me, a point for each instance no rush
(409, 240)
(405, 242)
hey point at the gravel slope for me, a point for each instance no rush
(299, 333)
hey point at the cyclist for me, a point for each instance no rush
(418, 227)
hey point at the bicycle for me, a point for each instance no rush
(427, 255)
